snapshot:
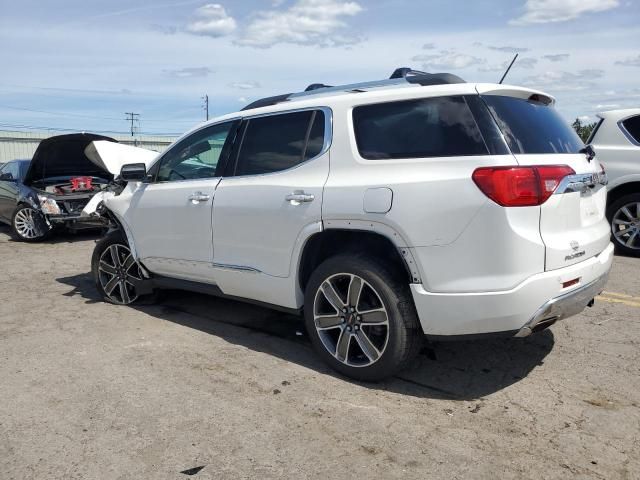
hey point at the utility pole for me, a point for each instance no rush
(206, 105)
(132, 117)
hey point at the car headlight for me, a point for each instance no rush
(49, 205)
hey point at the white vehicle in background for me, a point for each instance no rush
(385, 211)
(616, 140)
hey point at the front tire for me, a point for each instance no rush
(116, 273)
(361, 318)
(29, 225)
(624, 218)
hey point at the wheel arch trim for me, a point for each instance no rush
(367, 226)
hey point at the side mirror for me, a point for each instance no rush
(7, 177)
(133, 172)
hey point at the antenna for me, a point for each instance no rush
(508, 68)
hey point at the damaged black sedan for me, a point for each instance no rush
(51, 190)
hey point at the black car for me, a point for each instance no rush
(51, 189)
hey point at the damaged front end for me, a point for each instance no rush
(70, 176)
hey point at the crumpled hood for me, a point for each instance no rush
(63, 156)
(112, 156)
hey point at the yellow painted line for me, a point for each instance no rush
(619, 300)
(619, 295)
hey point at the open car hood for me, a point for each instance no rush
(63, 156)
(111, 156)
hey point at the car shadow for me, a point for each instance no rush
(460, 370)
(59, 236)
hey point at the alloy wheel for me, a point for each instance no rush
(119, 273)
(351, 320)
(626, 225)
(25, 223)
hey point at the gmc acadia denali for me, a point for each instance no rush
(385, 211)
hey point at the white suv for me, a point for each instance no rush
(385, 211)
(616, 139)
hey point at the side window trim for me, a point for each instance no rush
(231, 167)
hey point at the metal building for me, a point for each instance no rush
(20, 144)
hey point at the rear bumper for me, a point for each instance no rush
(533, 302)
(564, 306)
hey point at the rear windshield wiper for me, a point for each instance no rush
(588, 151)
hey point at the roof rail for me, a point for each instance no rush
(400, 76)
(404, 72)
(316, 86)
(267, 101)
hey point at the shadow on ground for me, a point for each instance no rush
(60, 235)
(462, 370)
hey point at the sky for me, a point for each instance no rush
(80, 65)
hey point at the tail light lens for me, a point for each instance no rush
(520, 186)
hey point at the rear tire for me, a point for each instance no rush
(116, 273)
(29, 225)
(624, 218)
(361, 318)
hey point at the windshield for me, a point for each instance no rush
(532, 127)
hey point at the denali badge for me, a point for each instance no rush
(575, 255)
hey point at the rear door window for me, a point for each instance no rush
(426, 127)
(532, 126)
(278, 142)
(632, 126)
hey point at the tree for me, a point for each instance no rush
(583, 130)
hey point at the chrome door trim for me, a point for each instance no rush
(238, 268)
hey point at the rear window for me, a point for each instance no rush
(532, 127)
(632, 126)
(426, 127)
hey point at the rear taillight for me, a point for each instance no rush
(520, 186)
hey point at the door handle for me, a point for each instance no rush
(198, 197)
(298, 197)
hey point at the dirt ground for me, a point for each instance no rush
(95, 391)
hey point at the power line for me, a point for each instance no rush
(78, 115)
(4, 126)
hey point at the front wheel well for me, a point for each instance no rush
(327, 243)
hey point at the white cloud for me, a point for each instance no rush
(248, 85)
(189, 72)
(526, 62)
(429, 46)
(559, 57)
(508, 49)
(448, 60)
(565, 81)
(212, 21)
(307, 22)
(243, 100)
(547, 11)
(630, 62)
